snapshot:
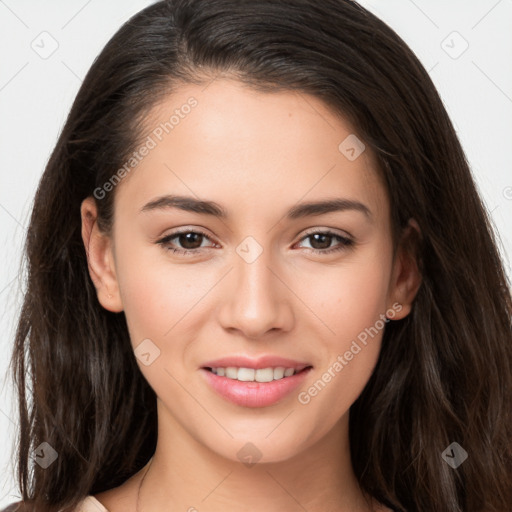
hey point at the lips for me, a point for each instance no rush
(235, 379)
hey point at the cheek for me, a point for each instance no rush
(146, 302)
(155, 294)
(362, 299)
(350, 297)
(159, 301)
(351, 305)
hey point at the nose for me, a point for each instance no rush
(256, 299)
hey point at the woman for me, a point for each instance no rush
(261, 277)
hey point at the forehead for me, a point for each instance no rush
(250, 151)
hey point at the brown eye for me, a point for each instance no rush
(320, 242)
(188, 241)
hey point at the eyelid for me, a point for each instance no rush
(346, 240)
(332, 231)
(180, 231)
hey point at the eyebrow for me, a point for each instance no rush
(191, 204)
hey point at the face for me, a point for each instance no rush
(269, 285)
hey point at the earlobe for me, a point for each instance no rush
(100, 260)
(406, 277)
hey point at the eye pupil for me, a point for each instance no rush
(321, 236)
(186, 239)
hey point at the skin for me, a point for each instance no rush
(257, 155)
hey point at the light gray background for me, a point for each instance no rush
(36, 94)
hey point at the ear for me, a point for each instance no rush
(100, 258)
(406, 276)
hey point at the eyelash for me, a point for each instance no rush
(345, 242)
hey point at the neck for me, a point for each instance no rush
(185, 475)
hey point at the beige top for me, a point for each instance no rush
(90, 504)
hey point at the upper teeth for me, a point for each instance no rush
(250, 374)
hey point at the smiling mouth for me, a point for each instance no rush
(261, 375)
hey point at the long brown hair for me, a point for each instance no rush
(445, 372)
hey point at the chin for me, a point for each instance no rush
(260, 448)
